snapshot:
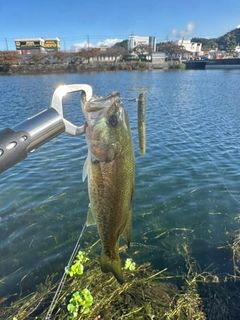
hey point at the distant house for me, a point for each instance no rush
(158, 57)
(134, 41)
(193, 49)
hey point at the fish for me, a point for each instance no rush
(110, 167)
(142, 123)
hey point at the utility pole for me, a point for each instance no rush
(88, 41)
(6, 43)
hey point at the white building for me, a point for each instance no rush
(134, 41)
(237, 48)
(194, 48)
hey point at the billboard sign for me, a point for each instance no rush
(51, 45)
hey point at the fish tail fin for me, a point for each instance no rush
(112, 265)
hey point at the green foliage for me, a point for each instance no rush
(77, 268)
(80, 302)
(82, 256)
(221, 42)
(141, 66)
(123, 44)
(130, 265)
(231, 44)
(207, 44)
(178, 66)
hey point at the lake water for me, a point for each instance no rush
(187, 184)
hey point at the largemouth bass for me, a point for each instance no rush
(110, 168)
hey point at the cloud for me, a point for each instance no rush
(104, 43)
(108, 42)
(238, 26)
(190, 28)
(174, 32)
(81, 45)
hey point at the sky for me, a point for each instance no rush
(104, 22)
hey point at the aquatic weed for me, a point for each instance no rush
(77, 267)
(129, 264)
(80, 302)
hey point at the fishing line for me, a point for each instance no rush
(61, 283)
(200, 146)
(134, 99)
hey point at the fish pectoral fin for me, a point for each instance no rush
(128, 230)
(112, 265)
(90, 217)
(85, 169)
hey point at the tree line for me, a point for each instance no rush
(227, 42)
(9, 58)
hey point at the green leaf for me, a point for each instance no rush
(71, 308)
(130, 265)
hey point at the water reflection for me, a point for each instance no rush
(186, 184)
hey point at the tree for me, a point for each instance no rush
(231, 44)
(75, 57)
(115, 52)
(221, 42)
(37, 57)
(207, 44)
(170, 48)
(142, 49)
(89, 53)
(8, 58)
(60, 56)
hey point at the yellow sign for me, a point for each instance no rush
(47, 45)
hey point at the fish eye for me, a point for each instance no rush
(113, 120)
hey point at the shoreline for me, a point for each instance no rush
(81, 68)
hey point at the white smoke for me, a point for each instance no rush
(190, 28)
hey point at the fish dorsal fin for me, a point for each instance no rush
(85, 169)
(90, 217)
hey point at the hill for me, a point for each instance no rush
(220, 42)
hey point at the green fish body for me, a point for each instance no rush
(110, 169)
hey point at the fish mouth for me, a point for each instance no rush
(96, 108)
(98, 104)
